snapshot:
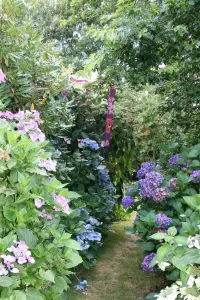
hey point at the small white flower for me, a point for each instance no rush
(191, 281)
(197, 281)
(163, 265)
(169, 293)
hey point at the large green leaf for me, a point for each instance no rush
(47, 275)
(28, 237)
(34, 294)
(6, 281)
(191, 257)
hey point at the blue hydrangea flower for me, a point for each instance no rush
(104, 180)
(127, 201)
(82, 285)
(86, 238)
(163, 221)
(147, 261)
(90, 143)
(146, 167)
(93, 221)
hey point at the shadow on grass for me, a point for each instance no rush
(118, 274)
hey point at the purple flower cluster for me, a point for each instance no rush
(150, 184)
(146, 263)
(160, 194)
(173, 183)
(172, 160)
(163, 221)
(28, 123)
(48, 164)
(21, 254)
(61, 201)
(43, 214)
(137, 218)
(127, 201)
(196, 176)
(145, 168)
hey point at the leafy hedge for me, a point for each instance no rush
(167, 201)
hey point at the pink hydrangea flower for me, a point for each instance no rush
(63, 202)
(2, 76)
(21, 253)
(8, 260)
(44, 214)
(39, 203)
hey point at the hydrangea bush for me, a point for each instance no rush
(167, 202)
(36, 249)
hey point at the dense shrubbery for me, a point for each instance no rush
(167, 222)
(37, 251)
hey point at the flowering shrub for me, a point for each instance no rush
(168, 220)
(36, 249)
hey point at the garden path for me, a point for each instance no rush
(118, 274)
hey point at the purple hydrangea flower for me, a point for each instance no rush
(90, 143)
(145, 168)
(127, 201)
(196, 176)
(137, 218)
(21, 253)
(149, 184)
(82, 285)
(163, 221)
(173, 183)
(38, 203)
(160, 194)
(146, 263)
(172, 160)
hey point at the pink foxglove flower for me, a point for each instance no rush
(2, 76)
(39, 203)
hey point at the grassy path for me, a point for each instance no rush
(118, 274)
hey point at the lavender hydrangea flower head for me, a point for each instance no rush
(137, 218)
(145, 168)
(149, 184)
(21, 253)
(163, 221)
(146, 263)
(38, 203)
(172, 160)
(127, 201)
(196, 176)
(160, 194)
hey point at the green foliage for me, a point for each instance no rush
(176, 244)
(54, 252)
(31, 66)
